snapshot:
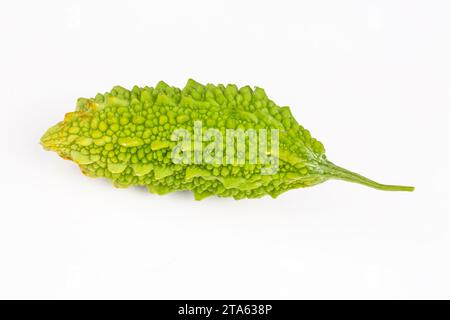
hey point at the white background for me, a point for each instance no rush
(370, 79)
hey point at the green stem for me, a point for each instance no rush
(337, 172)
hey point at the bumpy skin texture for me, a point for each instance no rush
(126, 136)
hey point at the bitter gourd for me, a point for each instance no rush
(133, 138)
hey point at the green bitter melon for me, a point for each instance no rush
(127, 136)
